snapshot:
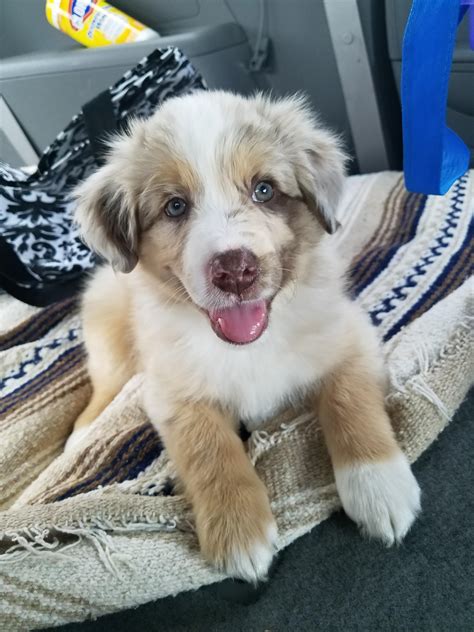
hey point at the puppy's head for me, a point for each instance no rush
(221, 199)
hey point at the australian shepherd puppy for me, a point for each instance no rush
(224, 289)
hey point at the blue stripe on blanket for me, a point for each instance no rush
(62, 365)
(444, 282)
(381, 256)
(38, 325)
(134, 456)
(443, 241)
(38, 355)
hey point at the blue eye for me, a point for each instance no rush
(176, 207)
(263, 192)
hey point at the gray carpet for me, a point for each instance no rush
(334, 580)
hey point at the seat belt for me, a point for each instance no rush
(357, 83)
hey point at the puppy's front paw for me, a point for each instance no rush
(237, 532)
(383, 498)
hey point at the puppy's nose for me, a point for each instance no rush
(234, 271)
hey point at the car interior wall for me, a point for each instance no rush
(44, 89)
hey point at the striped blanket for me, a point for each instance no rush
(105, 527)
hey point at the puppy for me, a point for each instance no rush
(216, 216)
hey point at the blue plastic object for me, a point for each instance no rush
(433, 155)
(471, 21)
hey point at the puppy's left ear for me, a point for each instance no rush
(107, 217)
(107, 204)
(321, 175)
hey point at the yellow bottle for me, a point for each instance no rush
(95, 22)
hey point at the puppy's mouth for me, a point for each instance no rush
(241, 323)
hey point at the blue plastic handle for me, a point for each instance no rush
(433, 155)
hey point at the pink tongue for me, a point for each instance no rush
(242, 323)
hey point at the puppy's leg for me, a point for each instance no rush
(105, 318)
(234, 522)
(373, 477)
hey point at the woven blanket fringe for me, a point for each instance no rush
(49, 542)
(418, 384)
(261, 440)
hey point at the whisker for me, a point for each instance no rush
(175, 298)
(178, 294)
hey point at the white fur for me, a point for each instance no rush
(255, 380)
(214, 232)
(382, 498)
(253, 565)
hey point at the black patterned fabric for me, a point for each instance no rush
(42, 258)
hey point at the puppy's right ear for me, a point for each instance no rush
(107, 216)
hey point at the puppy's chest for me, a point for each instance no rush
(257, 385)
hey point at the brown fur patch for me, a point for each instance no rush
(108, 338)
(353, 417)
(161, 257)
(244, 152)
(116, 226)
(171, 176)
(302, 226)
(229, 500)
(100, 400)
(163, 238)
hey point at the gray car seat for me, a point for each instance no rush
(345, 55)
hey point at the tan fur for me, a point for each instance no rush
(351, 409)
(108, 337)
(229, 500)
(173, 176)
